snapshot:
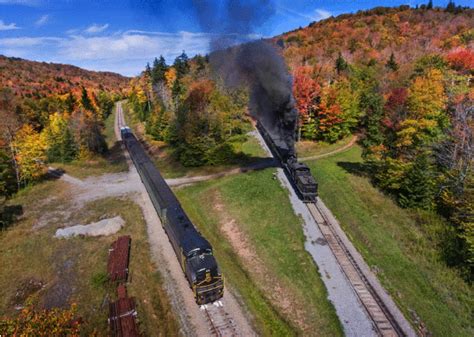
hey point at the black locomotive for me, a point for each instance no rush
(193, 251)
(298, 173)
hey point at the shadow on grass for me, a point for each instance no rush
(9, 214)
(115, 155)
(358, 169)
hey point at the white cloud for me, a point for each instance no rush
(11, 26)
(126, 53)
(321, 14)
(42, 20)
(95, 28)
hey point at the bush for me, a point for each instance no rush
(31, 322)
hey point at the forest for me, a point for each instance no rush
(59, 118)
(400, 78)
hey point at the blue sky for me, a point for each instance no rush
(123, 35)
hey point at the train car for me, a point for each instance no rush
(193, 251)
(298, 173)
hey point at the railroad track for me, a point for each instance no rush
(384, 322)
(221, 323)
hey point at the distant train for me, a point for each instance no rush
(194, 252)
(298, 173)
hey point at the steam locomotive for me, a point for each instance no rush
(298, 173)
(194, 252)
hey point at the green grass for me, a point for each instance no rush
(276, 234)
(398, 244)
(34, 253)
(309, 148)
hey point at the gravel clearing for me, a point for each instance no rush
(103, 227)
(351, 313)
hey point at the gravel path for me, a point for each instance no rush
(192, 318)
(350, 311)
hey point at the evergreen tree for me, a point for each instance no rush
(59, 139)
(86, 101)
(148, 70)
(70, 103)
(451, 7)
(417, 187)
(391, 63)
(7, 175)
(429, 5)
(341, 64)
(68, 147)
(371, 103)
(181, 64)
(177, 89)
(159, 70)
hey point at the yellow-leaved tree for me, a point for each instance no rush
(30, 154)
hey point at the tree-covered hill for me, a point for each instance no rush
(373, 36)
(38, 79)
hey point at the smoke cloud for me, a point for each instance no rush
(231, 24)
(256, 64)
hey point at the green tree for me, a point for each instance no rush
(391, 63)
(7, 175)
(177, 90)
(341, 64)
(429, 5)
(86, 102)
(158, 71)
(417, 188)
(105, 104)
(181, 64)
(70, 103)
(451, 7)
(371, 104)
(59, 139)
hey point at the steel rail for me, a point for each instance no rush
(384, 322)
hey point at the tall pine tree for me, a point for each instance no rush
(159, 69)
(391, 63)
(417, 187)
(341, 64)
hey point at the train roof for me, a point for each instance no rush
(205, 261)
(185, 232)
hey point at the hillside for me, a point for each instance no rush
(372, 36)
(29, 78)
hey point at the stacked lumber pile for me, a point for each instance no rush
(119, 255)
(122, 318)
(122, 312)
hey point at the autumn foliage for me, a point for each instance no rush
(462, 59)
(33, 322)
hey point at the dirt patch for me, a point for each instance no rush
(58, 294)
(26, 288)
(278, 294)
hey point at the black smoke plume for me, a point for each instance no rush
(256, 64)
(259, 66)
